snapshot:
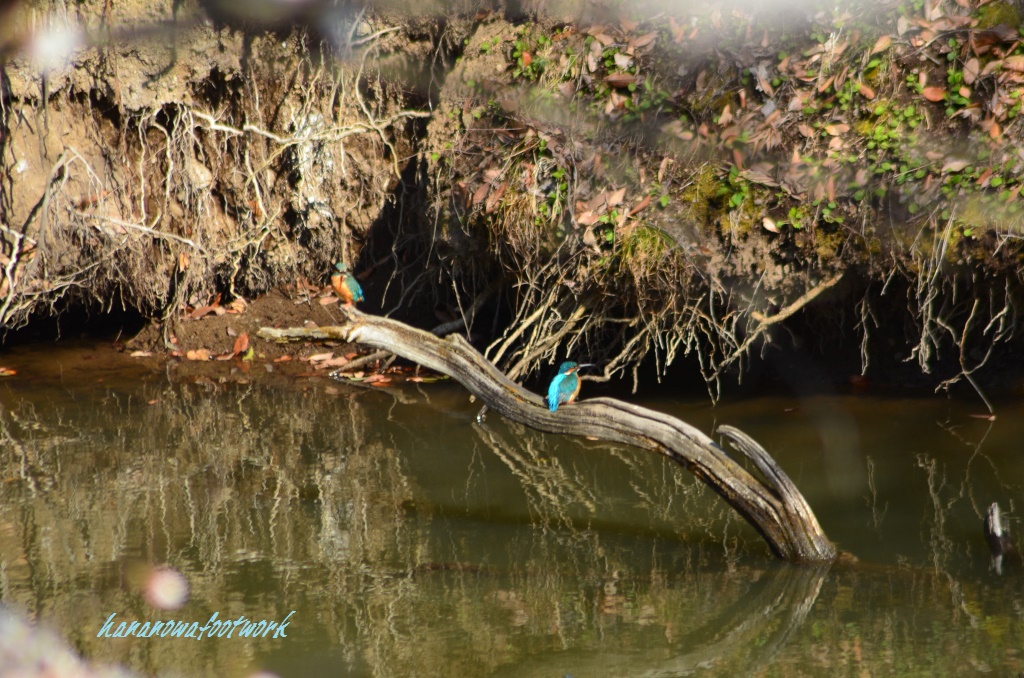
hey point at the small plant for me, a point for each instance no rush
(736, 187)
(529, 63)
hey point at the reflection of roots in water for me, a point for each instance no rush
(315, 507)
(550, 489)
(569, 498)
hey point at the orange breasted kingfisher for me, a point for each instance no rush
(566, 385)
(345, 284)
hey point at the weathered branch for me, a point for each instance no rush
(773, 506)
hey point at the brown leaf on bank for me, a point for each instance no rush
(866, 92)
(480, 193)
(587, 218)
(241, 344)
(662, 167)
(283, 359)
(492, 202)
(934, 94)
(645, 40)
(971, 70)
(726, 117)
(882, 43)
(617, 197)
(202, 311)
(1014, 63)
(140, 354)
(318, 357)
(678, 32)
(759, 176)
(620, 80)
(339, 361)
(199, 354)
(641, 206)
(954, 166)
(328, 300)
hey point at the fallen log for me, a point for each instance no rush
(771, 503)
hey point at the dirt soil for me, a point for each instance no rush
(609, 183)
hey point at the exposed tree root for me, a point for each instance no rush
(771, 504)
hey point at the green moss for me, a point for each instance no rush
(701, 194)
(645, 245)
(999, 12)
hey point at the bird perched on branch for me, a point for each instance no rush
(345, 284)
(566, 385)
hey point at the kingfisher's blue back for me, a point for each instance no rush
(564, 387)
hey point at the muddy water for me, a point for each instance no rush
(411, 541)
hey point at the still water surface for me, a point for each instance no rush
(412, 541)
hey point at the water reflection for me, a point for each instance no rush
(412, 541)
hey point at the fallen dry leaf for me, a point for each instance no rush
(328, 300)
(726, 117)
(934, 94)
(770, 225)
(241, 344)
(282, 359)
(202, 311)
(317, 357)
(7, 372)
(644, 40)
(881, 44)
(333, 362)
(662, 167)
(199, 354)
(480, 194)
(1014, 63)
(140, 354)
(866, 92)
(971, 70)
(620, 79)
(641, 206)
(617, 197)
(492, 202)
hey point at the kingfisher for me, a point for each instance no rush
(566, 385)
(345, 284)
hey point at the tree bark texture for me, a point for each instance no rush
(771, 503)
